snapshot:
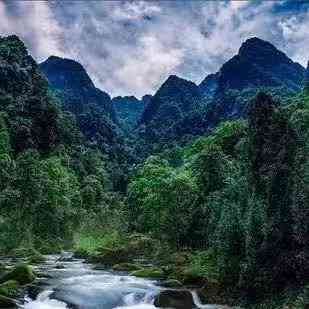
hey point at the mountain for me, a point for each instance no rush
(180, 108)
(92, 107)
(128, 110)
(260, 64)
(257, 64)
(70, 77)
(173, 102)
(209, 85)
(31, 115)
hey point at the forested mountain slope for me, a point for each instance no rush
(48, 175)
(227, 210)
(129, 110)
(33, 121)
(239, 197)
(175, 101)
(257, 64)
(178, 114)
(93, 108)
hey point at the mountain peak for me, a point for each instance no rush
(63, 63)
(260, 64)
(14, 48)
(65, 73)
(256, 42)
(176, 79)
(254, 48)
(209, 85)
(175, 85)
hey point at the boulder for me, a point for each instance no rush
(66, 257)
(177, 299)
(24, 252)
(126, 267)
(108, 256)
(7, 303)
(149, 272)
(9, 288)
(36, 259)
(22, 273)
(33, 290)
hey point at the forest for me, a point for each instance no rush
(212, 199)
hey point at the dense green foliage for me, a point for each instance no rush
(49, 178)
(230, 206)
(240, 192)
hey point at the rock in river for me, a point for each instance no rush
(177, 299)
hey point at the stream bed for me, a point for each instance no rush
(72, 283)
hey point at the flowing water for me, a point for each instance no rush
(75, 284)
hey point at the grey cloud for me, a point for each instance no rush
(130, 47)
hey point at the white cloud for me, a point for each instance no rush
(37, 26)
(135, 10)
(295, 33)
(130, 47)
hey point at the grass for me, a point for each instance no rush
(92, 242)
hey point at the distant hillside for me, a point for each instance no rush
(93, 108)
(172, 103)
(257, 64)
(181, 109)
(128, 110)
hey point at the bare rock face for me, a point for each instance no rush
(178, 299)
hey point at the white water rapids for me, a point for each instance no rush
(75, 284)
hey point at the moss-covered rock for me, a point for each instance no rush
(6, 302)
(177, 299)
(171, 283)
(81, 254)
(149, 272)
(108, 256)
(22, 273)
(36, 259)
(24, 252)
(9, 288)
(126, 267)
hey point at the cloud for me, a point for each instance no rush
(130, 47)
(35, 23)
(295, 33)
(135, 10)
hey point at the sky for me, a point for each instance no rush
(131, 47)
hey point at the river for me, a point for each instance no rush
(76, 284)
